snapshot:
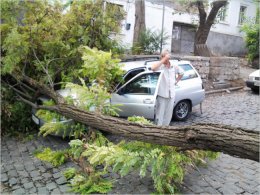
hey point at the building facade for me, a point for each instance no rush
(225, 37)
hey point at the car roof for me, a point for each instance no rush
(130, 65)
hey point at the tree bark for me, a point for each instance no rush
(139, 19)
(233, 141)
(215, 137)
(205, 22)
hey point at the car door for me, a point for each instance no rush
(137, 96)
(129, 75)
(190, 86)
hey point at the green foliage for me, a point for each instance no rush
(166, 163)
(91, 181)
(140, 120)
(42, 39)
(70, 129)
(76, 148)
(56, 158)
(58, 124)
(100, 67)
(15, 115)
(17, 47)
(251, 28)
(47, 38)
(199, 156)
(149, 42)
(88, 184)
(69, 173)
(94, 98)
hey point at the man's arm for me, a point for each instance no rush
(180, 74)
(157, 65)
(178, 78)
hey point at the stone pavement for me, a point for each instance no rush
(22, 173)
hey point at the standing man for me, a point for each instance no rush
(166, 92)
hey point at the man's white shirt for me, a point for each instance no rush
(167, 81)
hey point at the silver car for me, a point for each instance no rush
(138, 95)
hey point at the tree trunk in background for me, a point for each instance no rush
(139, 19)
(205, 23)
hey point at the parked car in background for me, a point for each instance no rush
(253, 81)
(137, 92)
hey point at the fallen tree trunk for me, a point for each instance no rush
(215, 137)
(230, 140)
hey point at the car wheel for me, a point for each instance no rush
(182, 110)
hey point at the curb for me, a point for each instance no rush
(224, 90)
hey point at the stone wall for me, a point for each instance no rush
(243, 62)
(224, 68)
(216, 68)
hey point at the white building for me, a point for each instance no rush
(225, 37)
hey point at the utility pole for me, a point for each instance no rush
(162, 25)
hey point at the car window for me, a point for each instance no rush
(132, 74)
(189, 72)
(129, 75)
(143, 85)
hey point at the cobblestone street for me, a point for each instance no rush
(22, 173)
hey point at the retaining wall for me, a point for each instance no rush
(216, 68)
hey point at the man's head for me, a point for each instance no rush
(166, 55)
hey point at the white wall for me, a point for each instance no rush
(154, 19)
(231, 26)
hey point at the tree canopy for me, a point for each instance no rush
(42, 39)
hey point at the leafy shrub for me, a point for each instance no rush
(149, 42)
(15, 115)
(251, 28)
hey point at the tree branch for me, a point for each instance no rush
(45, 69)
(33, 105)
(41, 87)
(17, 90)
(214, 11)
(202, 12)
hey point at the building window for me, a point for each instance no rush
(242, 15)
(176, 33)
(222, 13)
